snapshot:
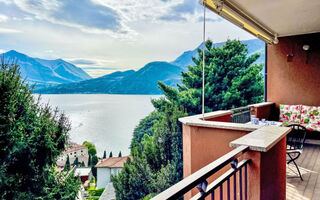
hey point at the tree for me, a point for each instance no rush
(144, 127)
(89, 161)
(67, 165)
(232, 80)
(110, 154)
(120, 154)
(151, 171)
(32, 136)
(104, 154)
(76, 162)
(94, 161)
(91, 148)
(82, 164)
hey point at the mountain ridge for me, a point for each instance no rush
(45, 72)
(143, 81)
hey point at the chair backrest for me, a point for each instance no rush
(297, 137)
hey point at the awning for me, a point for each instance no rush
(267, 19)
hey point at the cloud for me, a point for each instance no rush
(9, 30)
(89, 61)
(87, 16)
(99, 68)
(172, 17)
(3, 18)
(6, 1)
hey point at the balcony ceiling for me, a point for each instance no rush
(284, 17)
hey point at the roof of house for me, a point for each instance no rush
(74, 147)
(113, 162)
(85, 171)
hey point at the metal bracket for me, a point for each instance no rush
(234, 164)
(202, 187)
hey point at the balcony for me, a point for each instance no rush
(226, 158)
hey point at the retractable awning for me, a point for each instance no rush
(267, 19)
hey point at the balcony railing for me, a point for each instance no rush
(241, 115)
(199, 179)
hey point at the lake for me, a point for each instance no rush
(105, 120)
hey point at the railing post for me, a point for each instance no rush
(267, 173)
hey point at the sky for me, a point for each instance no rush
(103, 36)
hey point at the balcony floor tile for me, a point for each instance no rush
(309, 164)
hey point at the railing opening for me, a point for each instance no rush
(232, 184)
(241, 115)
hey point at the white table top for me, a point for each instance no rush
(268, 123)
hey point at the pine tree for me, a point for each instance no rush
(110, 155)
(67, 165)
(76, 162)
(232, 80)
(104, 154)
(120, 154)
(89, 161)
(32, 137)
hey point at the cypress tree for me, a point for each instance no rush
(110, 155)
(89, 161)
(120, 154)
(104, 154)
(67, 165)
(76, 162)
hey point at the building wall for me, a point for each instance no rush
(82, 155)
(295, 81)
(104, 175)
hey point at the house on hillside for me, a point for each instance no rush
(74, 151)
(84, 173)
(107, 167)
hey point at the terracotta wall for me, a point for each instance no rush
(296, 81)
(202, 145)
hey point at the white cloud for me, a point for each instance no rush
(9, 30)
(6, 1)
(104, 21)
(3, 18)
(134, 10)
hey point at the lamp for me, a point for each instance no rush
(306, 48)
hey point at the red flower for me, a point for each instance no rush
(297, 108)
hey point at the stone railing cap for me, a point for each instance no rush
(262, 139)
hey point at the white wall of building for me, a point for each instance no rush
(82, 155)
(104, 175)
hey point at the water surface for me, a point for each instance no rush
(105, 120)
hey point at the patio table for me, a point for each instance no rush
(268, 123)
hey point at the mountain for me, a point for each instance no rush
(46, 72)
(99, 85)
(143, 81)
(254, 46)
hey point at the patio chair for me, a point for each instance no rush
(295, 143)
